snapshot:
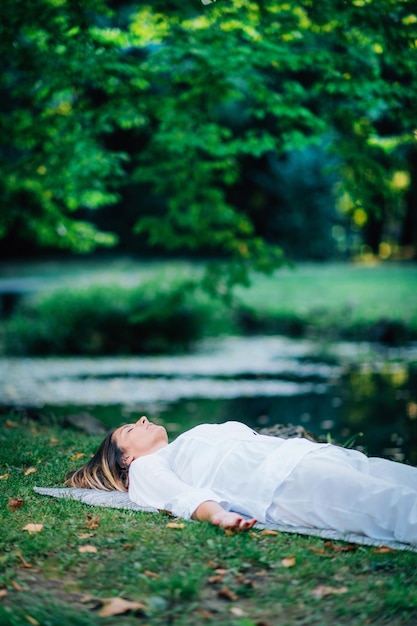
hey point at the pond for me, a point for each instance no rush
(339, 391)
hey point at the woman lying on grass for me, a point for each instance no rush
(227, 473)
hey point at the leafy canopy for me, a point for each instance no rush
(174, 97)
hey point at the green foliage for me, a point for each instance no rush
(165, 314)
(176, 98)
(152, 318)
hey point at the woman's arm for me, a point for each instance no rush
(214, 513)
(153, 484)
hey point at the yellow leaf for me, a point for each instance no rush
(30, 470)
(16, 586)
(382, 550)
(32, 620)
(323, 590)
(22, 558)
(269, 532)
(87, 548)
(78, 455)
(85, 535)
(212, 580)
(340, 548)
(118, 606)
(150, 574)
(4, 476)
(289, 561)
(175, 525)
(227, 594)
(33, 528)
(93, 522)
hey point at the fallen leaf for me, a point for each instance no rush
(165, 512)
(91, 600)
(227, 594)
(218, 577)
(4, 476)
(3, 592)
(85, 535)
(118, 606)
(204, 613)
(16, 586)
(150, 574)
(242, 580)
(321, 552)
(32, 620)
(93, 522)
(340, 548)
(33, 528)
(24, 562)
(237, 611)
(53, 441)
(288, 561)
(11, 424)
(15, 503)
(78, 455)
(30, 470)
(212, 580)
(237, 531)
(382, 550)
(323, 590)
(175, 525)
(266, 531)
(87, 548)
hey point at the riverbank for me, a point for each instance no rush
(128, 307)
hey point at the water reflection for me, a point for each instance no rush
(336, 391)
(377, 410)
(381, 405)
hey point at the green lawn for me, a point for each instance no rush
(186, 575)
(324, 301)
(363, 292)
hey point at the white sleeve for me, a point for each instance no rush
(153, 484)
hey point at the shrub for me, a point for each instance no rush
(152, 318)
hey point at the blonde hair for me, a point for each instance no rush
(104, 471)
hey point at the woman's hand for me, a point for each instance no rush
(215, 514)
(228, 519)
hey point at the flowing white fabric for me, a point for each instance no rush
(294, 482)
(290, 485)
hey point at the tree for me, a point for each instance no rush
(175, 98)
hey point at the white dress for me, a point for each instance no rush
(289, 481)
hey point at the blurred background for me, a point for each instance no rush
(209, 212)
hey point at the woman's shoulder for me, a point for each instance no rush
(155, 459)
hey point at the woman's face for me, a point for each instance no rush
(139, 439)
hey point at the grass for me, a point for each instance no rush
(328, 301)
(350, 300)
(195, 574)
